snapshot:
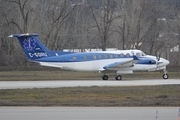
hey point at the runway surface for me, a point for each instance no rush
(89, 113)
(82, 83)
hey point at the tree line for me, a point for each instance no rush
(152, 26)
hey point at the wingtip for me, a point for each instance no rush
(10, 36)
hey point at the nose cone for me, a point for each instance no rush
(166, 62)
(163, 62)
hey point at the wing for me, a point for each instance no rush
(116, 65)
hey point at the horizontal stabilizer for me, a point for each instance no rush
(50, 64)
(21, 35)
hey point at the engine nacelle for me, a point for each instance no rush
(146, 61)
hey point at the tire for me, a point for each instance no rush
(165, 76)
(118, 77)
(105, 77)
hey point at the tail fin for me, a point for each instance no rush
(32, 46)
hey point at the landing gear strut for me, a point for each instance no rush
(165, 75)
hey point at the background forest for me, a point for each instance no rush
(152, 26)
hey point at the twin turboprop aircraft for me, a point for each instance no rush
(119, 62)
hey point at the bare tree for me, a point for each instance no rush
(172, 34)
(139, 26)
(79, 28)
(21, 14)
(103, 16)
(137, 21)
(56, 12)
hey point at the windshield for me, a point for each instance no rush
(143, 54)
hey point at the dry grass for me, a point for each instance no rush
(44, 75)
(71, 75)
(88, 96)
(93, 96)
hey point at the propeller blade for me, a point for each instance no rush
(158, 57)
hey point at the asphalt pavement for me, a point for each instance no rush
(89, 113)
(83, 83)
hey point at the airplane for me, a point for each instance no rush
(118, 62)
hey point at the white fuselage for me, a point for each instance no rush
(120, 61)
(98, 64)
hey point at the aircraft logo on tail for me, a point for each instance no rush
(29, 44)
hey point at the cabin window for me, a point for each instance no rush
(94, 57)
(127, 55)
(122, 55)
(74, 58)
(116, 55)
(138, 54)
(56, 54)
(99, 56)
(111, 56)
(105, 56)
(85, 57)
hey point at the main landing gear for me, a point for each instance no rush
(118, 77)
(105, 77)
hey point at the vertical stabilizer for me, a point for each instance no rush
(32, 46)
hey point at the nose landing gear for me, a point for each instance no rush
(165, 75)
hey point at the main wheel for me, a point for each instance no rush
(118, 77)
(165, 76)
(105, 77)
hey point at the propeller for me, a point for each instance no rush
(158, 57)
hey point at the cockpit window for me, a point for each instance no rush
(138, 54)
(143, 54)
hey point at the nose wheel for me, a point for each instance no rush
(165, 75)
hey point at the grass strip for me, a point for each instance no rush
(166, 95)
(71, 75)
